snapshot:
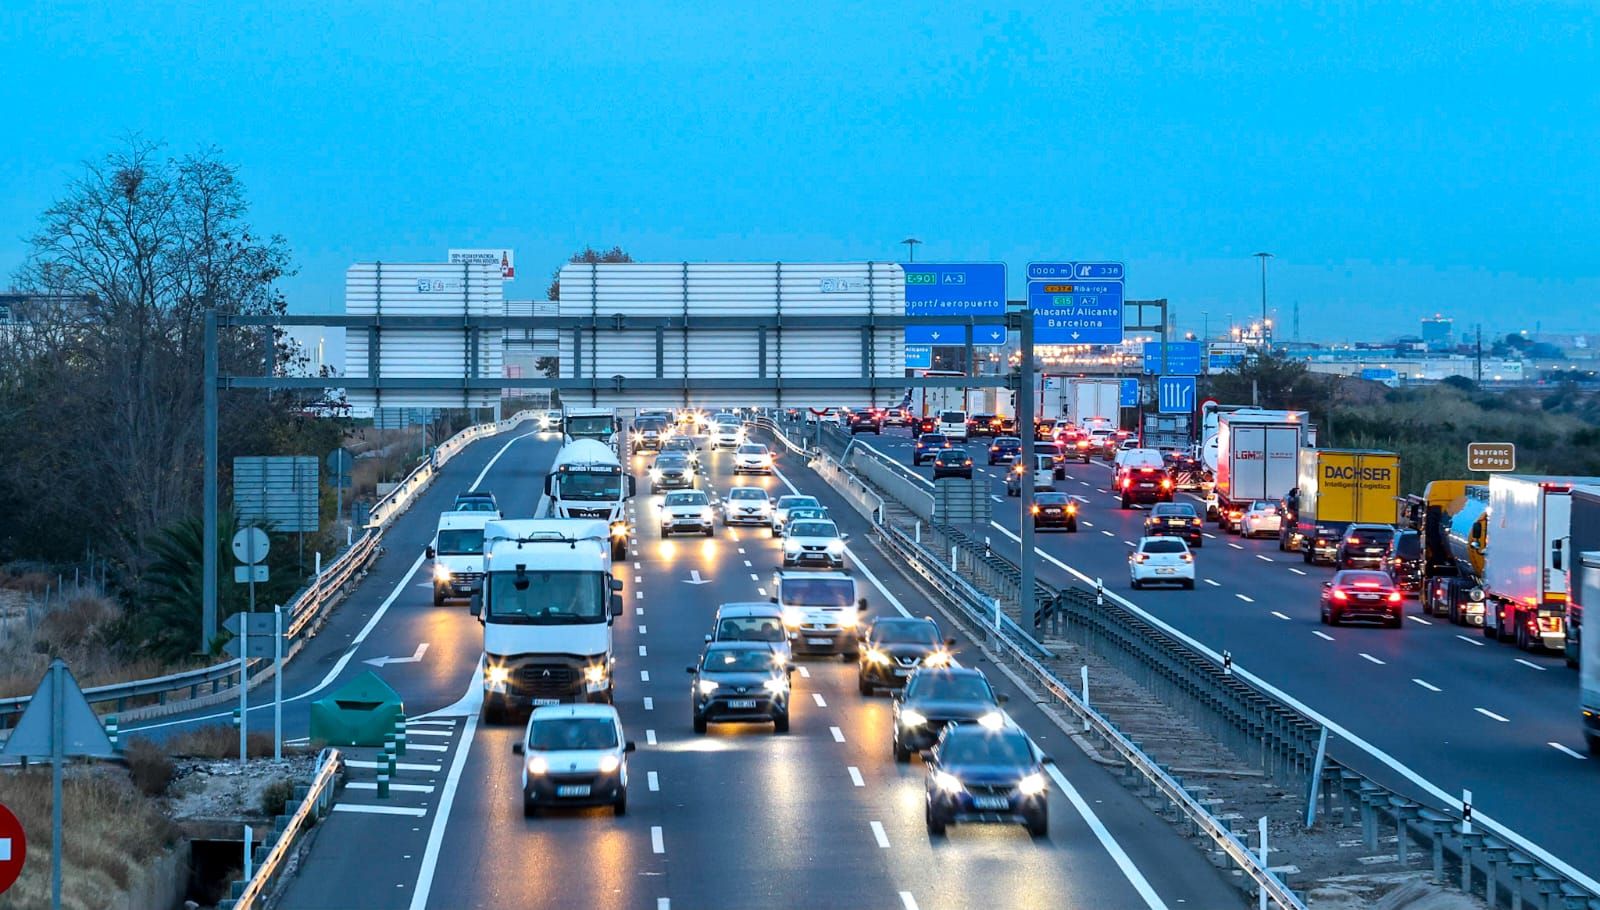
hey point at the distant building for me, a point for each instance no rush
(1438, 333)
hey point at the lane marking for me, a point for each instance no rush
(652, 781)
(1130, 871)
(1296, 571)
(649, 703)
(1322, 635)
(1108, 534)
(817, 696)
(1209, 534)
(907, 902)
(1564, 750)
(838, 734)
(1246, 598)
(762, 591)
(441, 818)
(855, 775)
(642, 631)
(644, 675)
(379, 810)
(1128, 542)
(641, 651)
(1426, 685)
(880, 835)
(1492, 716)
(1418, 619)
(412, 730)
(1369, 657)
(1279, 615)
(638, 595)
(428, 747)
(1529, 663)
(398, 766)
(1214, 584)
(638, 611)
(804, 673)
(398, 788)
(650, 737)
(1263, 557)
(1471, 641)
(754, 577)
(1234, 545)
(663, 903)
(746, 565)
(657, 845)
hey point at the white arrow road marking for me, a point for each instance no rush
(385, 661)
(695, 579)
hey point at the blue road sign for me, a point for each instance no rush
(1076, 312)
(1128, 393)
(1047, 271)
(1222, 363)
(1183, 358)
(954, 289)
(1175, 394)
(919, 357)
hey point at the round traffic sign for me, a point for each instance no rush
(339, 461)
(13, 849)
(250, 545)
(820, 412)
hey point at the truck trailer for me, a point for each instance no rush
(1524, 571)
(1583, 538)
(1589, 663)
(1087, 399)
(1337, 488)
(1258, 456)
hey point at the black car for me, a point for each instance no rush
(1058, 458)
(740, 682)
(684, 445)
(1403, 561)
(934, 697)
(952, 463)
(1145, 485)
(1319, 541)
(1004, 450)
(475, 501)
(981, 425)
(650, 432)
(1363, 547)
(893, 648)
(976, 774)
(921, 425)
(671, 472)
(929, 445)
(1176, 519)
(1054, 510)
(866, 421)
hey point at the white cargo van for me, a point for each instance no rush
(953, 424)
(457, 554)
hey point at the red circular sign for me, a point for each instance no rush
(820, 412)
(13, 849)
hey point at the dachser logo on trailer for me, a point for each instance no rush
(1351, 472)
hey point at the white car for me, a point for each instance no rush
(1161, 560)
(1260, 520)
(752, 458)
(780, 512)
(686, 510)
(727, 436)
(747, 506)
(574, 755)
(1043, 475)
(813, 541)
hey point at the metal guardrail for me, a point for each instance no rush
(309, 607)
(315, 803)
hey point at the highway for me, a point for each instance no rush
(1461, 710)
(737, 818)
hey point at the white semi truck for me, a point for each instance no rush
(599, 424)
(1524, 565)
(1082, 401)
(1258, 457)
(547, 605)
(587, 480)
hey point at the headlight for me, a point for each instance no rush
(610, 763)
(937, 659)
(705, 513)
(499, 675)
(911, 717)
(835, 546)
(1033, 785)
(849, 621)
(875, 656)
(947, 782)
(655, 475)
(537, 765)
(793, 617)
(791, 546)
(441, 572)
(776, 686)
(994, 720)
(594, 674)
(707, 687)
(619, 531)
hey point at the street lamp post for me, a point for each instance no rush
(1264, 257)
(911, 248)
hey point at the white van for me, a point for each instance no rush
(1044, 472)
(953, 424)
(457, 554)
(1134, 459)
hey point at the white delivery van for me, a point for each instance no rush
(953, 424)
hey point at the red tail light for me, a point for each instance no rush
(1166, 484)
(1352, 540)
(1394, 597)
(1339, 595)
(1127, 482)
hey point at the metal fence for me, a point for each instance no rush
(316, 801)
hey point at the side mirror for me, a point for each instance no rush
(616, 607)
(708, 638)
(629, 746)
(773, 599)
(475, 606)
(844, 536)
(1001, 698)
(616, 584)
(429, 551)
(689, 670)
(518, 748)
(927, 757)
(549, 485)
(633, 486)
(949, 642)
(1327, 584)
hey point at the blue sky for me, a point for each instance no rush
(1399, 159)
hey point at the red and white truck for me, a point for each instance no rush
(1258, 457)
(1524, 559)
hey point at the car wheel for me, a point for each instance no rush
(772, 532)
(710, 533)
(780, 723)
(1334, 618)
(1188, 584)
(1039, 825)
(665, 533)
(1323, 616)
(1135, 583)
(936, 822)
(1125, 502)
(1072, 527)
(438, 597)
(901, 753)
(494, 713)
(1398, 622)
(862, 686)
(620, 807)
(1592, 740)
(1198, 543)
(699, 724)
(529, 807)
(1306, 555)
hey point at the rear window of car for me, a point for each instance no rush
(1008, 441)
(753, 449)
(1261, 505)
(953, 416)
(1174, 508)
(747, 493)
(1371, 535)
(1353, 577)
(933, 438)
(1164, 545)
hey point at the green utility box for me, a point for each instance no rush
(361, 713)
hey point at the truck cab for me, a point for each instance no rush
(457, 554)
(587, 481)
(599, 424)
(822, 611)
(547, 604)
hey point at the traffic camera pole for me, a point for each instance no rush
(1025, 598)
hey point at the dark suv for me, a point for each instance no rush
(894, 647)
(1403, 561)
(1175, 519)
(927, 446)
(1145, 485)
(1005, 450)
(1363, 547)
(981, 425)
(866, 420)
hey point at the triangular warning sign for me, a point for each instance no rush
(82, 733)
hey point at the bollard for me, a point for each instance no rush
(383, 783)
(236, 718)
(400, 735)
(112, 734)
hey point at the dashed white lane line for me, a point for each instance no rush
(638, 611)
(663, 903)
(644, 675)
(1296, 571)
(650, 737)
(649, 703)
(636, 565)
(1128, 542)
(1418, 619)
(907, 902)
(1108, 534)
(1246, 598)
(1529, 663)
(804, 672)
(1471, 641)
(398, 788)
(1209, 534)
(399, 766)
(1264, 557)
(1565, 751)
(763, 593)
(638, 595)
(642, 652)
(653, 782)
(638, 579)
(741, 550)
(817, 697)
(855, 776)
(754, 577)
(1368, 657)
(1088, 524)
(1234, 545)
(995, 498)
(747, 564)
(1322, 635)
(657, 845)
(428, 747)
(880, 835)
(386, 810)
(643, 630)
(1426, 685)
(1214, 584)
(1279, 615)
(1492, 716)
(1083, 483)
(838, 734)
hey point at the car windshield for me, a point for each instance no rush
(1051, 499)
(949, 687)
(814, 529)
(648, 424)
(547, 598)
(931, 439)
(1261, 505)
(1362, 579)
(905, 631)
(1164, 545)
(591, 487)
(686, 498)
(750, 628)
(795, 502)
(818, 592)
(572, 734)
(984, 748)
(748, 493)
(599, 425)
(737, 660)
(1167, 509)
(675, 462)
(953, 417)
(752, 449)
(459, 541)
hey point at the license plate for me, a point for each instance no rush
(1176, 523)
(819, 641)
(547, 701)
(991, 802)
(1165, 571)
(1366, 597)
(742, 703)
(902, 671)
(573, 790)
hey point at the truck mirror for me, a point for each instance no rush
(1555, 555)
(517, 747)
(429, 551)
(616, 606)
(549, 485)
(616, 584)
(633, 486)
(476, 605)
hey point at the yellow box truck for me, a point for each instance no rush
(1340, 487)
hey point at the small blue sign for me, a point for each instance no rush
(919, 357)
(1222, 363)
(1175, 394)
(1102, 271)
(1076, 312)
(1183, 358)
(1128, 393)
